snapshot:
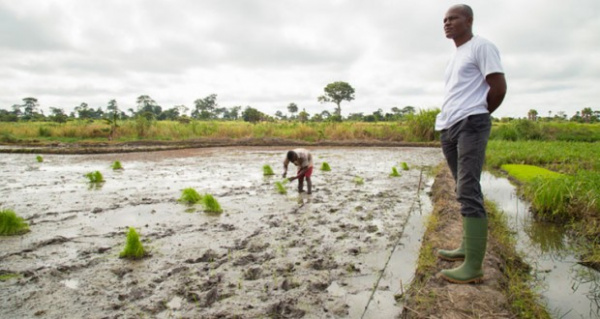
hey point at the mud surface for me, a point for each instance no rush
(283, 256)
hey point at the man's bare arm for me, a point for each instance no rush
(495, 96)
(286, 162)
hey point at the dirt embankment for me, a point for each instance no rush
(431, 296)
(148, 146)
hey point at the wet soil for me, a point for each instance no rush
(267, 255)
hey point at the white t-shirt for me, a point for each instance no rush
(466, 88)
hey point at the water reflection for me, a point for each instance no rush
(569, 289)
(547, 237)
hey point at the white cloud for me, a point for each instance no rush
(268, 54)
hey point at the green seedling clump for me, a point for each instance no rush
(405, 166)
(394, 172)
(8, 276)
(39, 158)
(133, 247)
(527, 173)
(11, 224)
(211, 205)
(280, 188)
(116, 165)
(325, 167)
(359, 180)
(267, 170)
(95, 177)
(190, 196)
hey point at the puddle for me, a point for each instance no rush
(71, 283)
(287, 255)
(569, 289)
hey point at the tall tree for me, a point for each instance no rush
(205, 107)
(337, 92)
(234, 113)
(147, 107)
(83, 111)
(532, 115)
(292, 108)
(251, 115)
(58, 115)
(586, 114)
(112, 117)
(30, 108)
(303, 116)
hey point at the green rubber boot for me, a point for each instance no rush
(452, 255)
(475, 244)
(456, 254)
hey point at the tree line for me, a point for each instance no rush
(205, 108)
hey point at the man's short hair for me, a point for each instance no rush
(291, 155)
(466, 9)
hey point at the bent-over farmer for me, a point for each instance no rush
(303, 160)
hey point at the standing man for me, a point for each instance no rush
(303, 160)
(475, 87)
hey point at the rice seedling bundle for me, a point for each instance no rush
(11, 224)
(133, 247)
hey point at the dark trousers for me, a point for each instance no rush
(464, 146)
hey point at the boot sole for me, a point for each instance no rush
(477, 280)
(450, 258)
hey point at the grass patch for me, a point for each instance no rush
(395, 172)
(325, 167)
(211, 205)
(116, 165)
(11, 224)
(527, 173)
(39, 158)
(190, 196)
(95, 177)
(267, 170)
(133, 247)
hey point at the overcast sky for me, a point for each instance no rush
(270, 53)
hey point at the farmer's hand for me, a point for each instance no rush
(284, 174)
(291, 179)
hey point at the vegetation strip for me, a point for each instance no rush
(506, 289)
(571, 198)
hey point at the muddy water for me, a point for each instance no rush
(293, 255)
(569, 289)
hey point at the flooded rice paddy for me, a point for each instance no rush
(292, 255)
(570, 290)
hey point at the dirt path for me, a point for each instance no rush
(431, 296)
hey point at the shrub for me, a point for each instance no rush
(359, 180)
(405, 166)
(190, 196)
(11, 224)
(325, 167)
(39, 158)
(395, 172)
(133, 247)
